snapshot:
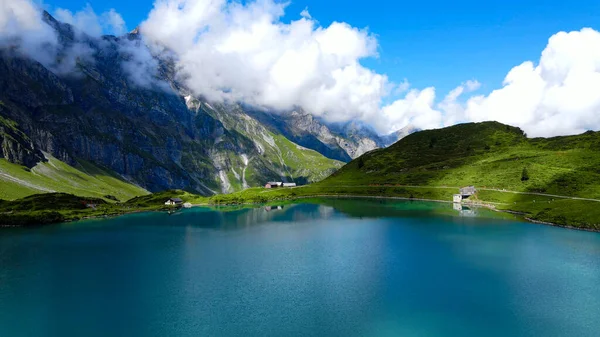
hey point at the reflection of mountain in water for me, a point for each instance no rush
(313, 210)
(231, 218)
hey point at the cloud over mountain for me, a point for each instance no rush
(248, 52)
(87, 21)
(23, 30)
(227, 50)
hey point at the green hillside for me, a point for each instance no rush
(487, 155)
(87, 180)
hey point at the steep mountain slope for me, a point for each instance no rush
(342, 141)
(274, 152)
(145, 132)
(490, 155)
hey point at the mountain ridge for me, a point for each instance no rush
(149, 136)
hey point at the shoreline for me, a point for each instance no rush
(538, 222)
(489, 206)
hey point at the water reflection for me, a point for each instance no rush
(239, 217)
(464, 210)
(273, 208)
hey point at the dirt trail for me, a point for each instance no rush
(481, 189)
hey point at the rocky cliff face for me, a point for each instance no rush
(16, 146)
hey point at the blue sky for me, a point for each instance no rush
(431, 43)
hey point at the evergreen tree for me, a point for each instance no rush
(524, 174)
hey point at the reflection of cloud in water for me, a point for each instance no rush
(326, 211)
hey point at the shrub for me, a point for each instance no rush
(361, 162)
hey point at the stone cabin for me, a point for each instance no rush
(464, 193)
(174, 201)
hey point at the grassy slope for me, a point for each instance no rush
(279, 157)
(488, 155)
(48, 208)
(303, 162)
(433, 164)
(55, 176)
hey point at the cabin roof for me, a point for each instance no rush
(469, 190)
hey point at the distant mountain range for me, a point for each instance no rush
(157, 137)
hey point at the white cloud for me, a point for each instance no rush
(401, 88)
(230, 51)
(416, 109)
(305, 14)
(84, 20)
(22, 29)
(114, 23)
(88, 22)
(472, 85)
(140, 65)
(558, 96)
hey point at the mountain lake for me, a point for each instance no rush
(327, 267)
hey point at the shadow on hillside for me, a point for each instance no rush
(578, 183)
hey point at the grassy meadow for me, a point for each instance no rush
(56, 176)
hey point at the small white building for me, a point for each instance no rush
(289, 184)
(174, 202)
(457, 198)
(273, 184)
(187, 205)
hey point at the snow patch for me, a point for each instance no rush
(244, 159)
(259, 147)
(189, 102)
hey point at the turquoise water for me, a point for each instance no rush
(339, 268)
